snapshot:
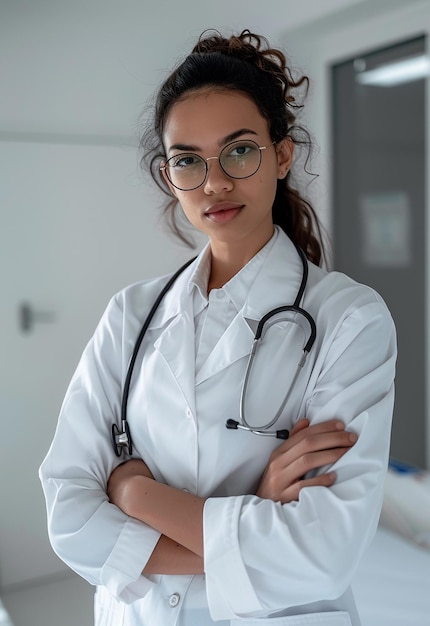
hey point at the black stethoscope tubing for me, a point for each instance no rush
(122, 439)
(295, 307)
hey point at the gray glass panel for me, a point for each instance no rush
(379, 215)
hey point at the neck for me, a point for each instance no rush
(222, 271)
(227, 261)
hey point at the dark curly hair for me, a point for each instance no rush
(244, 63)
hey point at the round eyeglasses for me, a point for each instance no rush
(239, 159)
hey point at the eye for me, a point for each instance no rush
(183, 161)
(240, 150)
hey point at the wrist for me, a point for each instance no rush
(173, 512)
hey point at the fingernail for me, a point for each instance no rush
(353, 437)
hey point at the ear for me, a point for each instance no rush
(284, 152)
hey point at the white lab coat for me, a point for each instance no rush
(265, 563)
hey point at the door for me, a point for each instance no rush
(379, 212)
(77, 225)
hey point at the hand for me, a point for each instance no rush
(121, 478)
(307, 448)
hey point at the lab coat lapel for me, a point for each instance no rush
(235, 343)
(276, 284)
(176, 346)
(175, 343)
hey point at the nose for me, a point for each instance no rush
(217, 180)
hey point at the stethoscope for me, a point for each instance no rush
(121, 439)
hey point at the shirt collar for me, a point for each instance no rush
(237, 288)
(200, 276)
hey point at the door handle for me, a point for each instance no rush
(28, 317)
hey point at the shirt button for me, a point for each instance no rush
(220, 294)
(188, 413)
(174, 600)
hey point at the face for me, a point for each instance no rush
(236, 214)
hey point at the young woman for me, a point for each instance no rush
(206, 524)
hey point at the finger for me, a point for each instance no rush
(323, 441)
(277, 479)
(314, 461)
(291, 467)
(298, 426)
(333, 425)
(311, 442)
(313, 429)
(293, 492)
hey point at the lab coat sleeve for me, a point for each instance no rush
(261, 556)
(90, 534)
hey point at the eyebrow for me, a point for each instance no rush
(225, 140)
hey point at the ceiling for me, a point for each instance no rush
(87, 67)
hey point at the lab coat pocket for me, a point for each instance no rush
(332, 618)
(108, 611)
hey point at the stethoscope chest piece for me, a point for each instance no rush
(121, 439)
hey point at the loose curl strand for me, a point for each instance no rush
(245, 63)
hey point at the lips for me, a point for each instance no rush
(222, 212)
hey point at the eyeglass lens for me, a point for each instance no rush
(239, 159)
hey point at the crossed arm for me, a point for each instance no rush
(178, 515)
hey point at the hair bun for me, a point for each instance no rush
(248, 46)
(254, 49)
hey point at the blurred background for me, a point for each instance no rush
(79, 221)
